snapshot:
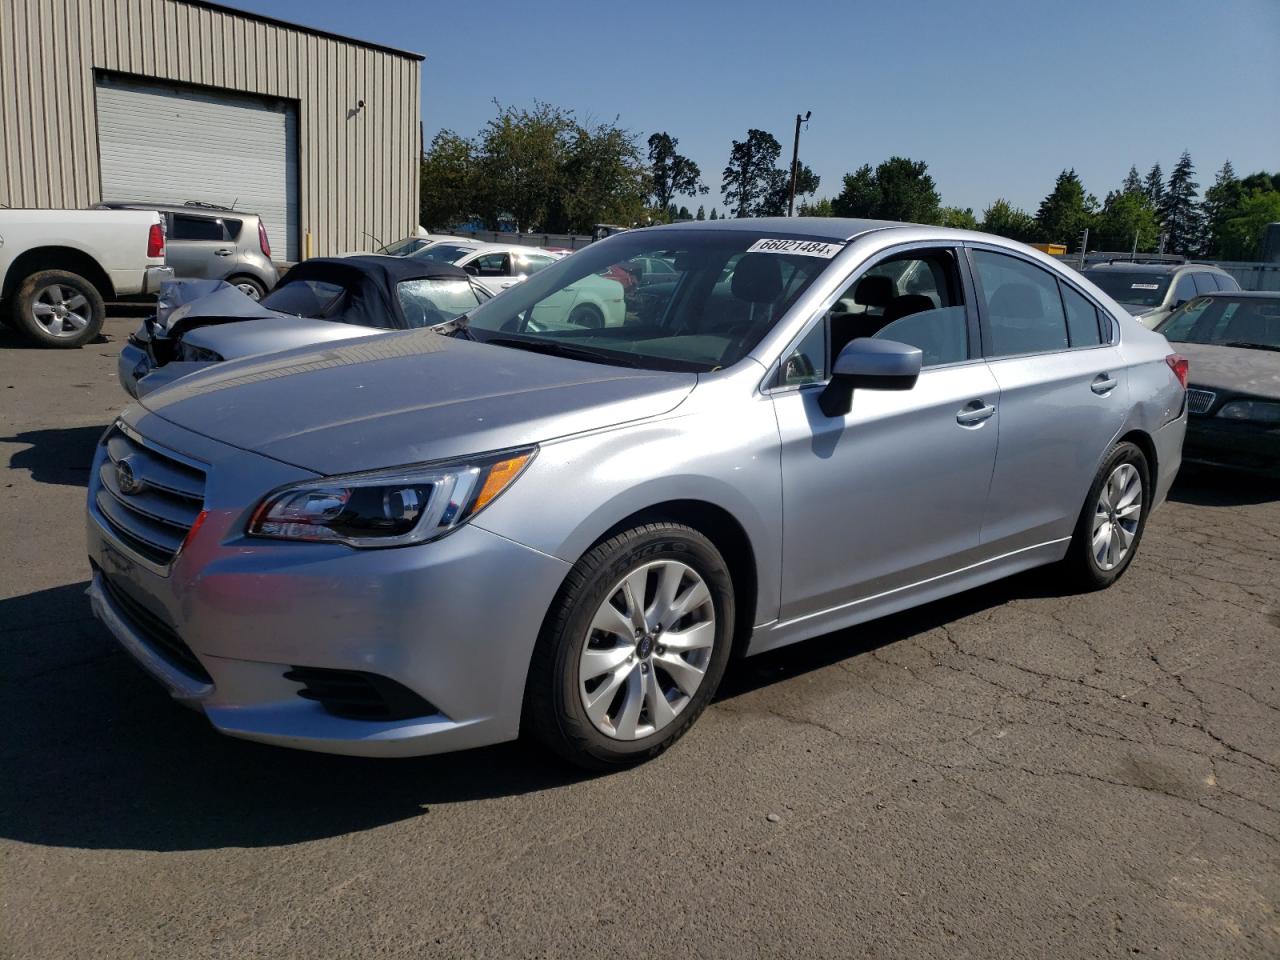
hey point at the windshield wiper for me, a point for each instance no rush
(1251, 346)
(562, 350)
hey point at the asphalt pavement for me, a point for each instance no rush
(1013, 772)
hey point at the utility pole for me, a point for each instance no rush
(795, 162)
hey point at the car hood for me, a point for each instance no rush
(410, 397)
(270, 334)
(1232, 368)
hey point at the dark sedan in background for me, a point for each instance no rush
(1232, 341)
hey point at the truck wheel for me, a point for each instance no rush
(55, 308)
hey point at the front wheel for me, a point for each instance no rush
(633, 649)
(1112, 520)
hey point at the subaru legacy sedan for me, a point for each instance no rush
(495, 527)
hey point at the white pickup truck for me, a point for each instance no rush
(58, 266)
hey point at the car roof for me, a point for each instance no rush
(389, 269)
(1246, 294)
(207, 209)
(1131, 267)
(837, 229)
(508, 248)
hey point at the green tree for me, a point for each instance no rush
(523, 154)
(1126, 215)
(714, 215)
(751, 174)
(1005, 220)
(1221, 203)
(962, 219)
(672, 173)
(447, 191)
(775, 204)
(602, 179)
(898, 189)
(816, 208)
(1179, 212)
(701, 214)
(1132, 182)
(1066, 211)
(1241, 236)
(1154, 185)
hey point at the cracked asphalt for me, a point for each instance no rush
(1013, 772)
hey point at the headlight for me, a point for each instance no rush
(193, 354)
(388, 508)
(1259, 410)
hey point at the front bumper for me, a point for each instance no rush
(1234, 444)
(139, 376)
(454, 621)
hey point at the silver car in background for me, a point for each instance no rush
(446, 538)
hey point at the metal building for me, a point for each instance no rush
(186, 100)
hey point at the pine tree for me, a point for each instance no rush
(1066, 212)
(1154, 185)
(1132, 182)
(714, 215)
(1220, 201)
(701, 214)
(1179, 211)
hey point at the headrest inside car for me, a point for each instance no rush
(757, 278)
(874, 291)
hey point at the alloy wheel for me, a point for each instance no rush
(647, 650)
(61, 311)
(1116, 516)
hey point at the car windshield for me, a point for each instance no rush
(402, 248)
(1251, 322)
(442, 253)
(305, 298)
(725, 290)
(428, 302)
(1134, 288)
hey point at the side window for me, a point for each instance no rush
(492, 265)
(808, 362)
(1184, 290)
(1023, 308)
(1206, 283)
(196, 228)
(1082, 318)
(914, 298)
(529, 264)
(1226, 282)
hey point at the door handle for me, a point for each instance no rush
(1103, 384)
(223, 253)
(973, 414)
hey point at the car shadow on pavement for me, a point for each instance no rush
(11, 339)
(62, 456)
(1206, 487)
(96, 756)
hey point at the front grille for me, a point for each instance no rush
(158, 634)
(148, 498)
(1199, 401)
(356, 695)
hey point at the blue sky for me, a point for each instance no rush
(996, 95)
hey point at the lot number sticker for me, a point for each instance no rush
(808, 248)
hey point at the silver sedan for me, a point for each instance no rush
(445, 538)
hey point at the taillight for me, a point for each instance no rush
(155, 241)
(1178, 364)
(263, 242)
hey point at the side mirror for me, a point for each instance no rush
(870, 365)
(472, 269)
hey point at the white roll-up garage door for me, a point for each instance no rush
(163, 143)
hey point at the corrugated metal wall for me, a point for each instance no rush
(358, 169)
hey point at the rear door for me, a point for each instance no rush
(492, 271)
(1063, 397)
(198, 246)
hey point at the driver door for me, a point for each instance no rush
(892, 493)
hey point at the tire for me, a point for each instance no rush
(249, 286)
(559, 684)
(1089, 564)
(587, 315)
(54, 308)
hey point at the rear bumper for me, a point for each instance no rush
(155, 276)
(1168, 442)
(1234, 444)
